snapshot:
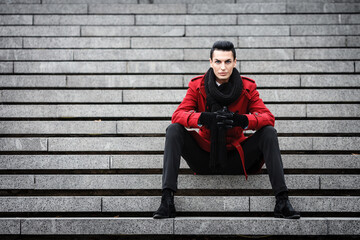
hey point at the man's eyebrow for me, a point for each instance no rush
(215, 59)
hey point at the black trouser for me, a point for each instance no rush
(262, 145)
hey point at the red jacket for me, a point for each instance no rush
(249, 103)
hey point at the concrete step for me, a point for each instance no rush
(228, 8)
(19, 31)
(74, 96)
(120, 67)
(297, 19)
(178, 1)
(242, 42)
(153, 181)
(75, 42)
(275, 8)
(175, 81)
(273, 30)
(58, 162)
(137, 8)
(169, 96)
(262, 226)
(296, 41)
(133, 31)
(6, 67)
(156, 162)
(90, 1)
(159, 127)
(10, 42)
(35, 55)
(103, 81)
(177, 54)
(315, 7)
(164, 110)
(129, 54)
(180, 67)
(180, 226)
(43, 9)
(20, 2)
(321, 30)
(296, 67)
(181, 42)
(170, 81)
(241, 19)
(147, 19)
(183, 204)
(231, 31)
(272, 95)
(141, 162)
(138, 144)
(106, 20)
(329, 80)
(16, 20)
(185, 20)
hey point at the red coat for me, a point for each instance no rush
(249, 103)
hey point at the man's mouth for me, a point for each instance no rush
(223, 73)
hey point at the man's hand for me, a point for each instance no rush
(230, 119)
(207, 119)
(240, 121)
(225, 119)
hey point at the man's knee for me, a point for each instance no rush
(269, 132)
(174, 130)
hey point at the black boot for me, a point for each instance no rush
(283, 208)
(167, 207)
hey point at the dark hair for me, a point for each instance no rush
(224, 46)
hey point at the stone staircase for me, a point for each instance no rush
(87, 91)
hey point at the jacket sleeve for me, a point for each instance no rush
(186, 113)
(260, 115)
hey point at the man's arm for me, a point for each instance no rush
(260, 115)
(186, 113)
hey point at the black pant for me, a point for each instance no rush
(262, 145)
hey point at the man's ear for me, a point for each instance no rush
(210, 62)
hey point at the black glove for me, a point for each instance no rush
(219, 119)
(240, 120)
(207, 118)
(225, 118)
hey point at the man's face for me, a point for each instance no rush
(223, 63)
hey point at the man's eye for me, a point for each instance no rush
(228, 62)
(217, 62)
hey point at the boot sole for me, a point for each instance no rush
(296, 216)
(157, 216)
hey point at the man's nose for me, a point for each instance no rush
(222, 66)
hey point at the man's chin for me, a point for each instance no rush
(222, 78)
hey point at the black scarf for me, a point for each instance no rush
(216, 99)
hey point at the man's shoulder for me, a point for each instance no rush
(248, 79)
(197, 78)
(196, 81)
(248, 83)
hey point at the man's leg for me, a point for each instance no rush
(178, 143)
(264, 143)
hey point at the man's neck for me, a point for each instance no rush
(219, 82)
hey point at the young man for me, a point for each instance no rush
(222, 104)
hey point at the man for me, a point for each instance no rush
(222, 104)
